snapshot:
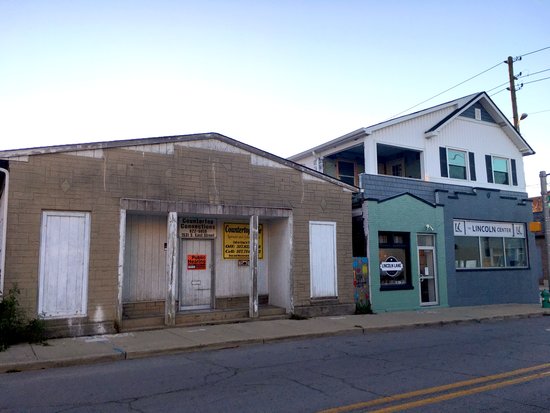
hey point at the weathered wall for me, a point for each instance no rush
(204, 171)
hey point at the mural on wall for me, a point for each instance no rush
(361, 285)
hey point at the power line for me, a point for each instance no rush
(473, 77)
(535, 51)
(532, 74)
(445, 91)
(538, 80)
(501, 90)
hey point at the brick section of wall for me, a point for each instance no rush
(380, 187)
(70, 183)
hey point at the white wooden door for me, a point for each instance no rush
(196, 274)
(322, 259)
(64, 255)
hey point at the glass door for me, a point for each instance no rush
(427, 273)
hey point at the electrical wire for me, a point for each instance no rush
(501, 90)
(535, 51)
(531, 74)
(473, 77)
(445, 91)
(534, 81)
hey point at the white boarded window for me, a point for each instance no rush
(322, 259)
(64, 256)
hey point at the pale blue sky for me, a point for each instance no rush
(280, 75)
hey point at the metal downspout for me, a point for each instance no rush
(4, 199)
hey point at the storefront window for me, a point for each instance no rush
(394, 253)
(467, 252)
(487, 245)
(516, 254)
(493, 252)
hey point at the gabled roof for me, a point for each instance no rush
(460, 105)
(44, 150)
(497, 115)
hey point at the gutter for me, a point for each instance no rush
(4, 199)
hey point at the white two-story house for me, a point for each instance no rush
(443, 214)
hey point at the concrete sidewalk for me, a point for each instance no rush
(94, 349)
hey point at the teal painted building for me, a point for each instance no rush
(406, 246)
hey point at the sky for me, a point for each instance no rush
(283, 76)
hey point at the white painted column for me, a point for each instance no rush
(253, 298)
(121, 249)
(171, 269)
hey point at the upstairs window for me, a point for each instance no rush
(501, 170)
(457, 164)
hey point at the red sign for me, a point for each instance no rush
(196, 261)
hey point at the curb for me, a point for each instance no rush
(122, 354)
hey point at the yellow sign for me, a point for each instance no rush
(236, 241)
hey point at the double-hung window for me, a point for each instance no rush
(501, 170)
(457, 164)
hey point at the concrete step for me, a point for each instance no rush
(204, 317)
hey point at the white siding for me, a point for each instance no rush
(482, 139)
(64, 255)
(145, 258)
(322, 259)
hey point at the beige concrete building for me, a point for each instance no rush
(120, 235)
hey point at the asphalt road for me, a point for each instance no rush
(494, 366)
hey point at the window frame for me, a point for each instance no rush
(466, 164)
(508, 171)
(338, 161)
(486, 253)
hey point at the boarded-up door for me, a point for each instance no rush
(64, 254)
(145, 258)
(196, 274)
(322, 259)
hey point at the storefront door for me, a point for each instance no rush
(427, 274)
(196, 274)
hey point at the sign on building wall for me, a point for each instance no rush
(236, 241)
(488, 229)
(198, 228)
(196, 261)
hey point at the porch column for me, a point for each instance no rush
(253, 298)
(121, 249)
(171, 269)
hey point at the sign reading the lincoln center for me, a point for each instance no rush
(236, 241)
(464, 228)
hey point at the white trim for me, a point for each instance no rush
(121, 250)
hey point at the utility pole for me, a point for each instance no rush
(546, 214)
(510, 62)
